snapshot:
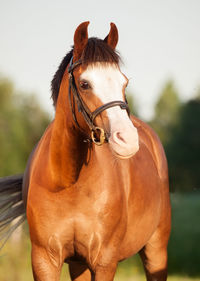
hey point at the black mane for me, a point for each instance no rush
(96, 50)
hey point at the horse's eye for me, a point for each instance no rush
(84, 85)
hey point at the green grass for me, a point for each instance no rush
(184, 249)
(184, 246)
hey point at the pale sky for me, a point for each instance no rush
(158, 40)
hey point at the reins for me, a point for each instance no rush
(98, 135)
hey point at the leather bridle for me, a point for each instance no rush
(98, 135)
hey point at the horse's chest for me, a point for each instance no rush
(83, 220)
(96, 220)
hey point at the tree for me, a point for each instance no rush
(183, 150)
(22, 122)
(166, 112)
(132, 103)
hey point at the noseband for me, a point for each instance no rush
(98, 135)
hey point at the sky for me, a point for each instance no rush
(158, 40)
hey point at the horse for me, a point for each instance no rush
(95, 190)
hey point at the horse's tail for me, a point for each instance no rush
(11, 206)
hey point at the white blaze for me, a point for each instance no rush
(107, 84)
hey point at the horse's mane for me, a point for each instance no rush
(96, 50)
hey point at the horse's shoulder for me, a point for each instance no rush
(150, 139)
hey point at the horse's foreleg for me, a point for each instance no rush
(45, 267)
(155, 263)
(105, 273)
(154, 256)
(79, 271)
(154, 253)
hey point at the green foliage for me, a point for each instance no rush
(166, 112)
(178, 127)
(132, 103)
(184, 247)
(183, 150)
(22, 123)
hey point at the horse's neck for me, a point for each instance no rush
(67, 149)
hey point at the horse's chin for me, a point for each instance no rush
(124, 155)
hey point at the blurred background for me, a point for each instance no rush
(159, 42)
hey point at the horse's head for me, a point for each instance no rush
(97, 92)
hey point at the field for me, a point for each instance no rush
(184, 248)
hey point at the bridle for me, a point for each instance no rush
(98, 135)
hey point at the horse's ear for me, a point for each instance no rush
(112, 38)
(80, 40)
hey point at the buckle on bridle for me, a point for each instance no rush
(98, 136)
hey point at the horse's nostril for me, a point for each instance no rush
(119, 136)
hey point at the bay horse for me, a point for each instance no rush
(95, 188)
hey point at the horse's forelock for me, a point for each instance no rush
(96, 50)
